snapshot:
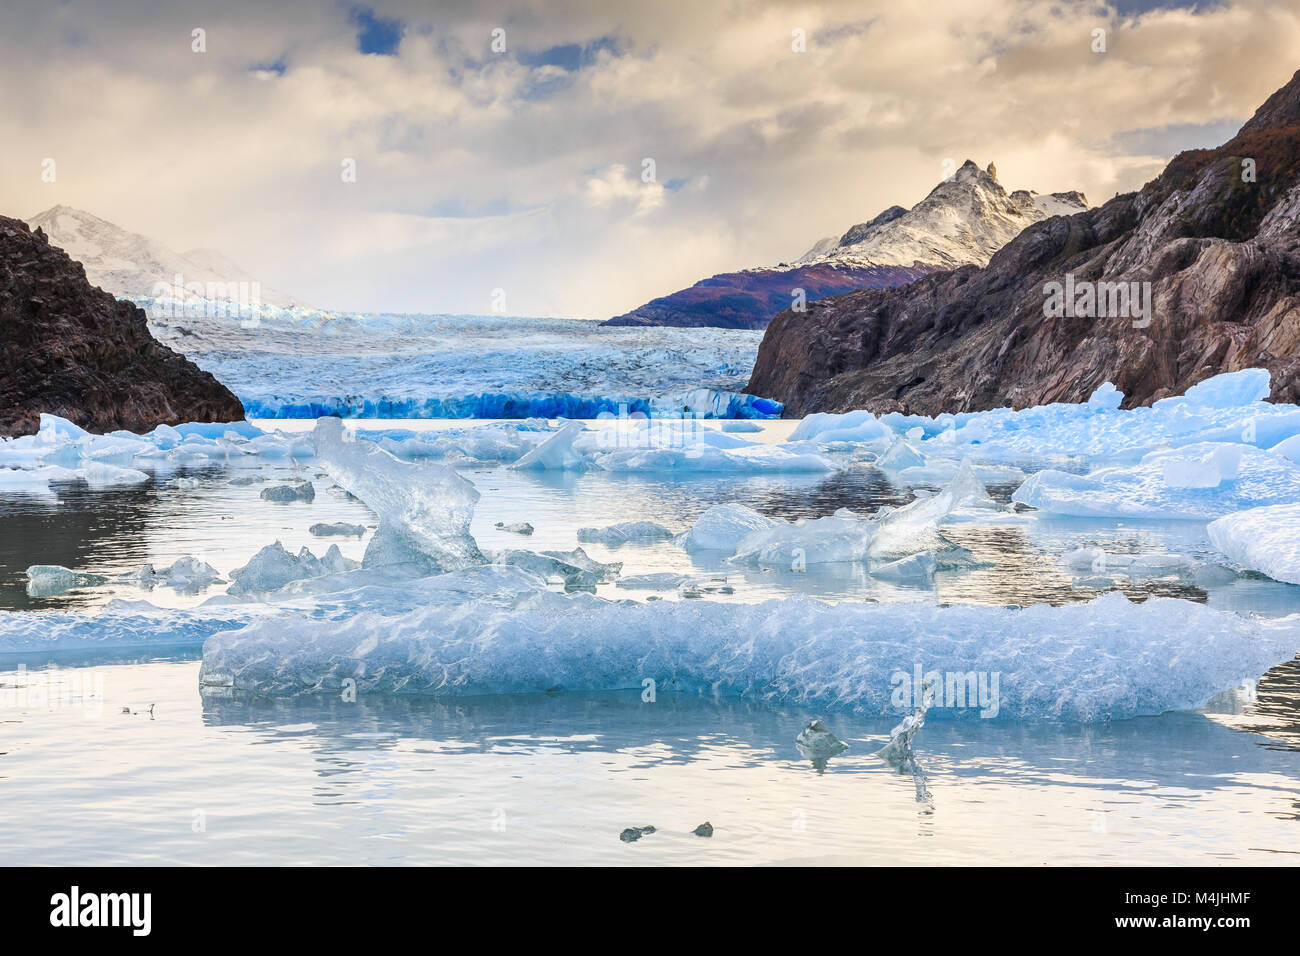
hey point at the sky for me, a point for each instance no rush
(580, 157)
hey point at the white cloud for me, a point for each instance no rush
(476, 171)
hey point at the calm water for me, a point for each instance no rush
(213, 778)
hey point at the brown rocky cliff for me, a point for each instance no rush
(70, 349)
(1222, 255)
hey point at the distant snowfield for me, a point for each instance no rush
(306, 363)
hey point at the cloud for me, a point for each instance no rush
(521, 168)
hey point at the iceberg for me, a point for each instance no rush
(1105, 660)
(424, 508)
(1265, 539)
(916, 567)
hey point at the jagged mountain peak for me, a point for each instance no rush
(964, 220)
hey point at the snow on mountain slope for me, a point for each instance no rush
(129, 265)
(963, 221)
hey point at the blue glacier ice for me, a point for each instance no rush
(1108, 659)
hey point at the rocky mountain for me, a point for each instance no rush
(964, 219)
(130, 265)
(73, 350)
(1197, 273)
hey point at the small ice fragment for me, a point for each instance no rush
(740, 425)
(705, 829)
(580, 558)
(625, 532)
(323, 529)
(551, 569)
(521, 527)
(818, 744)
(44, 580)
(185, 483)
(304, 491)
(916, 567)
(632, 834)
(659, 581)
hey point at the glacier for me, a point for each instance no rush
(357, 365)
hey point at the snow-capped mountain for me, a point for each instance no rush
(963, 221)
(129, 265)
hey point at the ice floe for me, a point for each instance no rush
(1107, 659)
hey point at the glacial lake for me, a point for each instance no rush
(129, 761)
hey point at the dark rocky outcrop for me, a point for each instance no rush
(749, 299)
(70, 349)
(1221, 254)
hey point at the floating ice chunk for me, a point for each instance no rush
(45, 580)
(900, 455)
(915, 526)
(658, 581)
(1206, 468)
(826, 540)
(1266, 540)
(273, 567)
(916, 567)
(1140, 491)
(424, 508)
(1231, 389)
(827, 428)
(322, 529)
(99, 475)
(185, 483)
(625, 532)
(520, 527)
(184, 574)
(722, 527)
(551, 569)
(754, 460)
(1097, 561)
(303, 491)
(818, 744)
(580, 558)
(740, 425)
(557, 452)
(34, 481)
